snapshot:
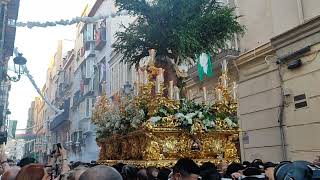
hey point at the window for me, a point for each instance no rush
(300, 101)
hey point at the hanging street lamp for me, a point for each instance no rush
(19, 63)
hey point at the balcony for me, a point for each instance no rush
(101, 37)
(10, 31)
(62, 118)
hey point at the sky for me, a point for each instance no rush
(38, 45)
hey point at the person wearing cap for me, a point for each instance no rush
(253, 173)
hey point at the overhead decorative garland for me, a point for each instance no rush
(62, 22)
(30, 77)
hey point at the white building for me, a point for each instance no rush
(15, 148)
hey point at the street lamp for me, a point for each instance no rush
(19, 63)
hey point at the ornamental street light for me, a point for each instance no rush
(19, 63)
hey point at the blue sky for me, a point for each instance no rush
(38, 45)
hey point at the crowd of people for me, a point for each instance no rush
(185, 169)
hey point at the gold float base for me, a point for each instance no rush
(161, 163)
(162, 147)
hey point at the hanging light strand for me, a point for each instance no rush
(62, 22)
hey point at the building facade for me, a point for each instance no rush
(93, 75)
(9, 15)
(298, 55)
(268, 117)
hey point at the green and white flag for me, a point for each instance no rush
(204, 65)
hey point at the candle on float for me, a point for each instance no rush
(204, 90)
(145, 76)
(140, 77)
(177, 93)
(224, 81)
(171, 89)
(137, 83)
(152, 54)
(219, 94)
(137, 87)
(224, 65)
(161, 71)
(158, 88)
(137, 77)
(234, 91)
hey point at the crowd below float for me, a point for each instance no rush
(59, 168)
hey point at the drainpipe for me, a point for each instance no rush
(281, 114)
(300, 11)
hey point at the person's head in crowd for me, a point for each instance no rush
(222, 167)
(142, 174)
(118, 167)
(152, 173)
(208, 171)
(33, 172)
(258, 165)
(101, 172)
(26, 161)
(164, 174)
(269, 170)
(246, 164)
(185, 169)
(300, 170)
(317, 161)
(233, 168)
(76, 173)
(129, 172)
(11, 174)
(93, 162)
(253, 173)
(257, 160)
(76, 164)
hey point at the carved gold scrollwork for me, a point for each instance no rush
(163, 146)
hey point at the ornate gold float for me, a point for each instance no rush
(150, 129)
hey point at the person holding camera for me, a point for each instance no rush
(59, 161)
